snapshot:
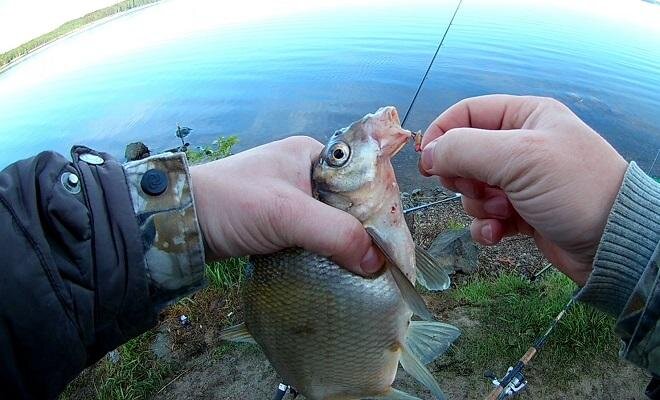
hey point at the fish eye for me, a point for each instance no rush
(338, 154)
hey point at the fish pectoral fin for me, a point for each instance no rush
(394, 394)
(428, 340)
(417, 370)
(237, 333)
(407, 289)
(429, 271)
(410, 295)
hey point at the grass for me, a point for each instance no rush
(136, 376)
(226, 274)
(221, 148)
(68, 27)
(456, 224)
(512, 312)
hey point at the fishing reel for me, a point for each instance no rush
(282, 390)
(516, 383)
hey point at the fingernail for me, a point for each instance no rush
(427, 156)
(371, 261)
(487, 233)
(497, 207)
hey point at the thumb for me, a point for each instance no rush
(333, 233)
(484, 155)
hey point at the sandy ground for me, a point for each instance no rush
(242, 371)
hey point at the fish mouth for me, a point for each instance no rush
(401, 146)
(391, 136)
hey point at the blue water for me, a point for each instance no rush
(314, 70)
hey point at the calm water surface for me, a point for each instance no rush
(265, 73)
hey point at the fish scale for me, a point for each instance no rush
(324, 331)
(334, 335)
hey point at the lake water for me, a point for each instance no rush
(264, 71)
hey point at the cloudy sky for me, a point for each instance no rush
(22, 20)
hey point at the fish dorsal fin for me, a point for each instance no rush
(394, 394)
(428, 340)
(417, 370)
(408, 292)
(237, 333)
(429, 272)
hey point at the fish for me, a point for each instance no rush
(329, 333)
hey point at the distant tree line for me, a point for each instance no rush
(68, 27)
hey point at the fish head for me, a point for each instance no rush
(355, 165)
(354, 173)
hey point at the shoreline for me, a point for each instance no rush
(93, 24)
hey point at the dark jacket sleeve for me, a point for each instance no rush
(74, 279)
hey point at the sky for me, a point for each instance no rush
(22, 20)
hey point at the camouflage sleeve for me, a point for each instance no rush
(161, 192)
(624, 281)
(637, 324)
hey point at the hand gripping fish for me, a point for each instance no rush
(329, 333)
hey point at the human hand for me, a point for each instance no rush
(260, 201)
(527, 165)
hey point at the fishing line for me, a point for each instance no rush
(654, 160)
(419, 88)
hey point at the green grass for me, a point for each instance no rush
(456, 225)
(512, 312)
(226, 274)
(68, 27)
(136, 376)
(222, 147)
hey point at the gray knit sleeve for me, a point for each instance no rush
(631, 235)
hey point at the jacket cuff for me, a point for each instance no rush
(627, 245)
(161, 192)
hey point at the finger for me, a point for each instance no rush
(470, 188)
(487, 231)
(492, 206)
(325, 230)
(448, 183)
(494, 112)
(467, 187)
(477, 154)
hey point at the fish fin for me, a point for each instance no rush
(428, 340)
(407, 289)
(394, 394)
(429, 272)
(417, 370)
(237, 333)
(410, 295)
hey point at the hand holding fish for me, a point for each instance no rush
(527, 165)
(259, 202)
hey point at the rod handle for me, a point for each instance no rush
(495, 393)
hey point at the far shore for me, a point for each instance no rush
(16, 55)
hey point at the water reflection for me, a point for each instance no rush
(267, 74)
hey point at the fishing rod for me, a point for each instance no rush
(423, 206)
(419, 88)
(536, 275)
(514, 380)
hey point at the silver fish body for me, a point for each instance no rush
(329, 333)
(334, 335)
